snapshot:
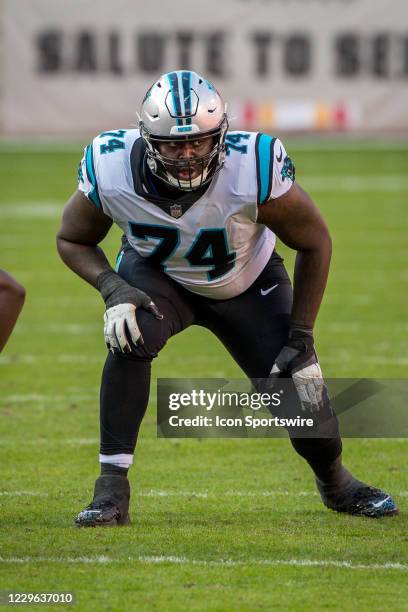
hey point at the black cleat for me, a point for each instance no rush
(110, 505)
(359, 499)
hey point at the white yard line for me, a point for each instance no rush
(157, 493)
(61, 358)
(71, 329)
(384, 360)
(38, 398)
(356, 183)
(31, 210)
(77, 329)
(174, 560)
(7, 443)
(45, 442)
(22, 494)
(207, 494)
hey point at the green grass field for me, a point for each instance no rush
(217, 524)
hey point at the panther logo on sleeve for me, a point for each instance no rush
(288, 169)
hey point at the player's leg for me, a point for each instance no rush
(254, 328)
(125, 389)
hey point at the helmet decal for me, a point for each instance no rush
(175, 95)
(186, 78)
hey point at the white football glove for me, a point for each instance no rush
(122, 300)
(120, 325)
(309, 386)
(298, 359)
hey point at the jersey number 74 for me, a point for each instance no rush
(210, 247)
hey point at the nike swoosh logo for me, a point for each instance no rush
(279, 159)
(379, 504)
(266, 291)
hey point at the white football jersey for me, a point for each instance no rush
(215, 248)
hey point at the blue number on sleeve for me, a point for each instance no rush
(232, 142)
(114, 143)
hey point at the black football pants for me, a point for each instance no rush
(253, 328)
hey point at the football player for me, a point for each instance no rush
(12, 296)
(200, 207)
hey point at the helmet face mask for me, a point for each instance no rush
(182, 111)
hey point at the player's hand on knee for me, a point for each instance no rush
(121, 299)
(121, 328)
(298, 360)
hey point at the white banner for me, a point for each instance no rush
(74, 66)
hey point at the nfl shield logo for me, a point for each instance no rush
(176, 210)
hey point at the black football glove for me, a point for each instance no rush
(121, 299)
(298, 360)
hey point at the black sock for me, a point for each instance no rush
(324, 457)
(113, 470)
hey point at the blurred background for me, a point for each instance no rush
(330, 78)
(73, 67)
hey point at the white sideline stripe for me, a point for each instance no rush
(152, 560)
(198, 494)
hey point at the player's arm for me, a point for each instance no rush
(82, 229)
(12, 296)
(295, 219)
(297, 222)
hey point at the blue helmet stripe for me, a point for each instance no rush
(186, 80)
(174, 88)
(264, 166)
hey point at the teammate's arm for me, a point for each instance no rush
(295, 219)
(83, 227)
(12, 296)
